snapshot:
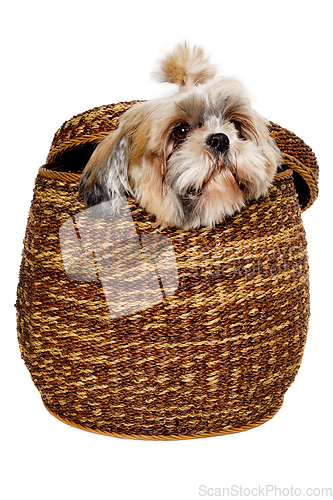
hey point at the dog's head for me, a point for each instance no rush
(191, 158)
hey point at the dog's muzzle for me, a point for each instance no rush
(219, 143)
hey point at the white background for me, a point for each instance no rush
(63, 57)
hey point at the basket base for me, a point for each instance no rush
(223, 432)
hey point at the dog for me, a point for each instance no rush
(190, 159)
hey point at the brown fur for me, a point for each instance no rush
(186, 66)
(185, 181)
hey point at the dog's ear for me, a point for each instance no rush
(105, 177)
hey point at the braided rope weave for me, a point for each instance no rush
(171, 437)
(214, 357)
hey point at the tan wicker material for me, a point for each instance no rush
(171, 437)
(215, 355)
(88, 127)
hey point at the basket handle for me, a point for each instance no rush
(305, 180)
(300, 158)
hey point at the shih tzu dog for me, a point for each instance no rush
(190, 159)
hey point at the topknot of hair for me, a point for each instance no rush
(186, 66)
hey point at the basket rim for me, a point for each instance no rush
(92, 126)
(49, 171)
(172, 437)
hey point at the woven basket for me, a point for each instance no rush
(211, 349)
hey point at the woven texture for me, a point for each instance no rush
(88, 127)
(215, 356)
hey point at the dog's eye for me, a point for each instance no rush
(238, 127)
(180, 132)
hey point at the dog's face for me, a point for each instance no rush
(190, 159)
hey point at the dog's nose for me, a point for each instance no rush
(219, 142)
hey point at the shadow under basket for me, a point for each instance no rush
(136, 332)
